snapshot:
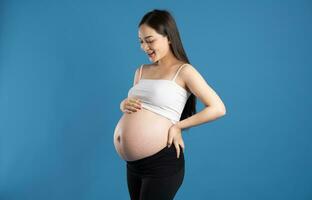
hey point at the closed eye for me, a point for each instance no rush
(147, 41)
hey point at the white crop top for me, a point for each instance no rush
(164, 97)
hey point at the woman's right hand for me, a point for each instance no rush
(131, 105)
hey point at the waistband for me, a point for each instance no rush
(162, 163)
(156, 155)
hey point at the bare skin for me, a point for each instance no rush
(140, 132)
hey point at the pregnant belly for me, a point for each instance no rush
(140, 134)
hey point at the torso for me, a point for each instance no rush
(143, 133)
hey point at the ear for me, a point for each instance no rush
(168, 40)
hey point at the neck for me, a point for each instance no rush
(167, 61)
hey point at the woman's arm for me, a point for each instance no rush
(214, 109)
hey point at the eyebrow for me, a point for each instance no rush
(147, 36)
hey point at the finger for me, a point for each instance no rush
(131, 100)
(182, 145)
(129, 107)
(136, 100)
(137, 106)
(128, 111)
(138, 103)
(134, 106)
(169, 141)
(178, 149)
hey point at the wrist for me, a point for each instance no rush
(177, 125)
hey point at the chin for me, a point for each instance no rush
(154, 60)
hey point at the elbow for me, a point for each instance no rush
(218, 110)
(221, 111)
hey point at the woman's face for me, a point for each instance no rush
(155, 45)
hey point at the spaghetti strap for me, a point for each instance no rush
(178, 71)
(140, 72)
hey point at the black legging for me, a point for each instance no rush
(156, 177)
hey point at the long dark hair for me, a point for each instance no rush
(163, 23)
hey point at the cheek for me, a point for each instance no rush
(163, 51)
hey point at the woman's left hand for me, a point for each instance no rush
(175, 137)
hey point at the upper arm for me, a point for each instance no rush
(200, 88)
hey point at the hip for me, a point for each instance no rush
(161, 164)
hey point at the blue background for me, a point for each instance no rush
(66, 65)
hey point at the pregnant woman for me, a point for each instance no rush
(161, 103)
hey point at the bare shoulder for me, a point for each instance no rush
(144, 66)
(192, 78)
(187, 71)
(137, 74)
(200, 88)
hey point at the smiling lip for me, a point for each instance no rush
(152, 54)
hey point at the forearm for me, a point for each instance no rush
(209, 113)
